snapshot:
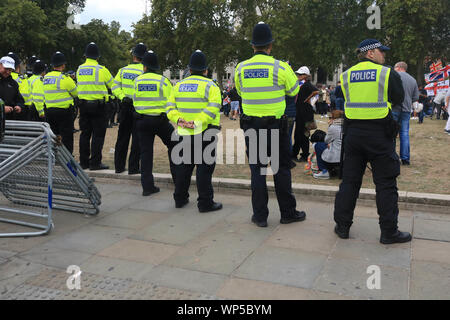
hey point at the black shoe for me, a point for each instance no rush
(181, 204)
(261, 224)
(120, 171)
(215, 207)
(292, 165)
(397, 237)
(84, 167)
(147, 193)
(132, 173)
(301, 159)
(99, 167)
(406, 163)
(342, 232)
(296, 217)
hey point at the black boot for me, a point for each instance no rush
(396, 237)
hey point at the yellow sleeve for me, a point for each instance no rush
(171, 108)
(117, 88)
(38, 97)
(212, 110)
(69, 85)
(291, 81)
(237, 80)
(107, 78)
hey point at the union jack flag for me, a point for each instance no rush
(435, 66)
(437, 76)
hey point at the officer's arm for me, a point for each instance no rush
(237, 82)
(70, 85)
(38, 97)
(108, 78)
(171, 108)
(416, 93)
(18, 98)
(292, 84)
(117, 88)
(396, 93)
(212, 110)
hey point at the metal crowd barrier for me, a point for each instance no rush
(37, 175)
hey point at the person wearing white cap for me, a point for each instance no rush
(305, 114)
(9, 89)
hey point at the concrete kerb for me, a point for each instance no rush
(225, 184)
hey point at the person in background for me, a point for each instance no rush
(423, 99)
(447, 103)
(9, 89)
(340, 100)
(236, 102)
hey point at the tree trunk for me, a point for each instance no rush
(420, 72)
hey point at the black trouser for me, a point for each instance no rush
(61, 123)
(93, 123)
(205, 170)
(362, 146)
(283, 179)
(301, 141)
(22, 116)
(127, 129)
(147, 128)
(33, 114)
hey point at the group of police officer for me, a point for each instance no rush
(149, 104)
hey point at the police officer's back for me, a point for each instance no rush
(123, 89)
(93, 81)
(370, 89)
(263, 83)
(37, 96)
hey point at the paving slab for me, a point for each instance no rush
(185, 279)
(371, 253)
(432, 229)
(349, 277)
(90, 239)
(309, 235)
(282, 266)
(432, 251)
(116, 268)
(117, 200)
(221, 249)
(54, 257)
(131, 219)
(243, 289)
(139, 251)
(430, 281)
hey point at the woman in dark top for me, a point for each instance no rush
(305, 114)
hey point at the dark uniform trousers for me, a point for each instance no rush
(363, 145)
(301, 140)
(93, 124)
(61, 123)
(205, 170)
(147, 128)
(282, 178)
(33, 114)
(127, 129)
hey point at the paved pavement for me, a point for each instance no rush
(144, 248)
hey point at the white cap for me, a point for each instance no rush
(8, 63)
(303, 70)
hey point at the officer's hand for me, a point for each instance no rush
(17, 109)
(127, 100)
(9, 109)
(181, 123)
(190, 125)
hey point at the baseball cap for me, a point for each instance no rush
(303, 70)
(370, 44)
(8, 63)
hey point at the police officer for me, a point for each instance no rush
(60, 91)
(37, 96)
(194, 106)
(150, 96)
(9, 89)
(93, 83)
(24, 89)
(370, 89)
(123, 90)
(263, 83)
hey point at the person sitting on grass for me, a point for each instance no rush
(329, 151)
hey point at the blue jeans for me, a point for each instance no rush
(403, 119)
(320, 147)
(340, 103)
(421, 116)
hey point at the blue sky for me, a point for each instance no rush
(124, 11)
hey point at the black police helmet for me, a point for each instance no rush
(31, 61)
(58, 59)
(150, 60)
(198, 61)
(262, 35)
(140, 50)
(39, 67)
(16, 58)
(92, 51)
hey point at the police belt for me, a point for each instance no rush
(150, 116)
(92, 102)
(266, 121)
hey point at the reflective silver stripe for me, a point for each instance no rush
(364, 105)
(346, 87)
(110, 80)
(88, 83)
(142, 80)
(115, 88)
(382, 83)
(38, 100)
(262, 64)
(131, 69)
(59, 100)
(148, 108)
(58, 82)
(264, 101)
(208, 88)
(138, 99)
(55, 91)
(262, 89)
(73, 90)
(39, 95)
(93, 92)
(240, 76)
(171, 104)
(129, 86)
(294, 88)
(170, 109)
(25, 95)
(161, 87)
(129, 96)
(276, 69)
(191, 100)
(214, 105)
(185, 110)
(209, 113)
(117, 82)
(196, 79)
